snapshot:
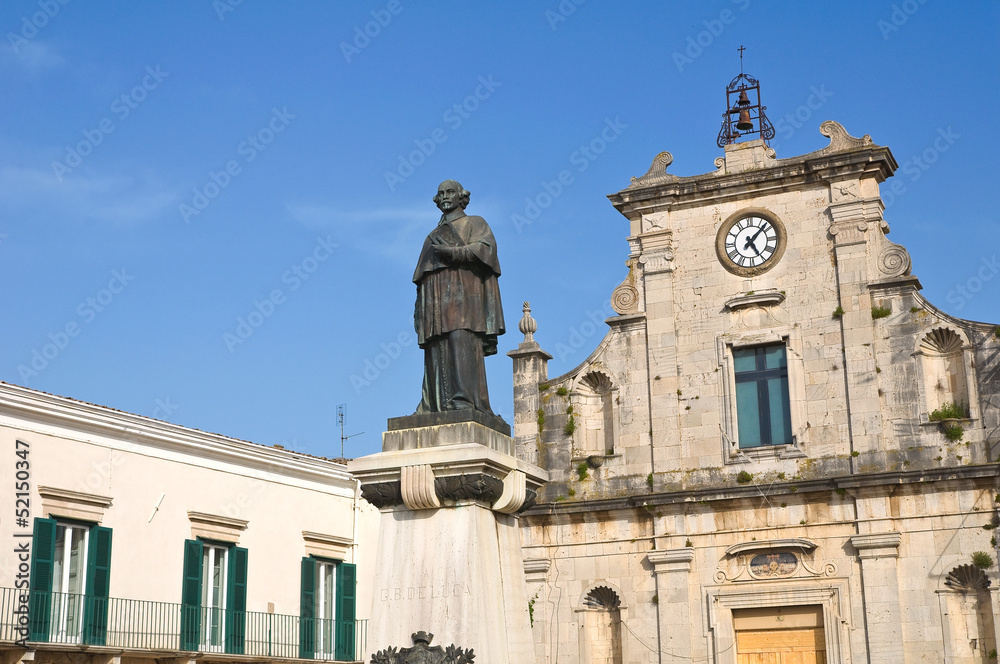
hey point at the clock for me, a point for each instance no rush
(750, 242)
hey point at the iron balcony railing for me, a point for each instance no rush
(145, 625)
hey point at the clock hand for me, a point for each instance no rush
(752, 241)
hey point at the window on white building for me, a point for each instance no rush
(327, 609)
(214, 597)
(70, 575)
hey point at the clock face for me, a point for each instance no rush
(751, 242)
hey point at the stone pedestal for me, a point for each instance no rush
(449, 554)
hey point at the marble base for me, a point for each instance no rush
(449, 556)
(454, 572)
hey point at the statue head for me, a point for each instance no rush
(451, 195)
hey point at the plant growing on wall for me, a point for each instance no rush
(880, 312)
(570, 425)
(953, 432)
(982, 560)
(949, 411)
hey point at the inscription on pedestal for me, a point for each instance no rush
(424, 592)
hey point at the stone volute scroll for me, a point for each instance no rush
(657, 172)
(894, 260)
(625, 297)
(840, 139)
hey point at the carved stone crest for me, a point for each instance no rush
(464, 487)
(423, 653)
(382, 494)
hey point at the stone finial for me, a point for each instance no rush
(528, 326)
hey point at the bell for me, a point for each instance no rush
(743, 100)
(744, 124)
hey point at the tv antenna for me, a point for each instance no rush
(340, 421)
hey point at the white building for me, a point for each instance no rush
(137, 539)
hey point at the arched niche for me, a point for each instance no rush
(967, 615)
(601, 627)
(946, 369)
(595, 397)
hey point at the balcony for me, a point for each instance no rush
(136, 626)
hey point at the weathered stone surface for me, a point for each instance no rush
(449, 556)
(446, 434)
(889, 503)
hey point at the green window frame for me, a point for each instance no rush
(763, 409)
(314, 630)
(43, 606)
(193, 612)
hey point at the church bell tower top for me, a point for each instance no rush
(744, 113)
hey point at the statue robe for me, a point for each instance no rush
(458, 315)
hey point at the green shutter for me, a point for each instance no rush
(307, 609)
(346, 610)
(95, 616)
(40, 600)
(191, 595)
(236, 601)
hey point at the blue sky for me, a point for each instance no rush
(170, 169)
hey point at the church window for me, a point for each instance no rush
(762, 401)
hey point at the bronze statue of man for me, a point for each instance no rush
(458, 316)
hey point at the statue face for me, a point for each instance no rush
(449, 196)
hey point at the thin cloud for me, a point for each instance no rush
(31, 56)
(82, 197)
(393, 233)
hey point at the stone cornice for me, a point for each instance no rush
(73, 504)
(215, 527)
(216, 520)
(323, 538)
(897, 285)
(74, 496)
(777, 489)
(326, 546)
(671, 560)
(764, 298)
(871, 161)
(529, 349)
(537, 565)
(79, 418)
(790, 543)
(879, 545)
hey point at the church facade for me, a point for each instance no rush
(780, 451)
